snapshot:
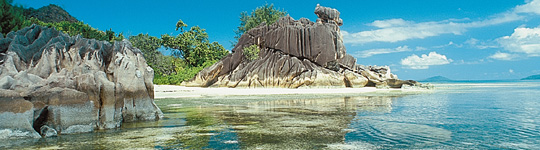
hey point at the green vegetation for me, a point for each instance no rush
(193, 46)
(191, 52)
(78, 28)
(11, 18)
(251, 52)
(149, 45)
(266, 13)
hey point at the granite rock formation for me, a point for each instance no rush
(51, 83)
(296, 53)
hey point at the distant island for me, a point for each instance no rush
(437, 79)
(533, 77)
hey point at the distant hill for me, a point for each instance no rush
(533, 77)
(436, 79)
(50, 13)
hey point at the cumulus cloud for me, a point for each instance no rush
(395, 30)
(424, 61)
(522, 41)
(371, 52)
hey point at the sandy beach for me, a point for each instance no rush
(173, 91)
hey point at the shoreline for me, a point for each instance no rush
(174, 91)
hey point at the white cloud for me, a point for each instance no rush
(371, 52)
(463, 62)
(390, 31)
(390, 23)
(531, 7)
(475, 43)
(472, 41)
(449, 44)
(523, 40)
(424, 61)
(420, 48)
(511, 71)
(504, 56)
(395, 30)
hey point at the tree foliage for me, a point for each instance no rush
(11, 18)
(79, 28)
(191, 52)
(193, 45)
(251, 52)
(150, 45)
(266, 13)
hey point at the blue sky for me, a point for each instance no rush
(460, 39)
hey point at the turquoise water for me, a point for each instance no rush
(462, 115)
(493, 115)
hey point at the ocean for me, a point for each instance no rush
(454, 115)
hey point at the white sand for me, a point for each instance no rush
(172, 91)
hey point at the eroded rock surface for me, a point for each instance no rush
(52, 83)
(296, 53)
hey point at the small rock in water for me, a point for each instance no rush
(47, 131)
(420, 86)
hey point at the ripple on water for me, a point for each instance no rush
(396, 134)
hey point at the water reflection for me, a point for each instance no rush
(297, 123)
(413, 122)
(289, 122)
(286, 123)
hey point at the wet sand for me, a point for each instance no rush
(173, 91)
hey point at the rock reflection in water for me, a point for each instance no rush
(298, 123)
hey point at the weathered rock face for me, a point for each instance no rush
(52, 83)
(296, 53)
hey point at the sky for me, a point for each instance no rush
(459, 39)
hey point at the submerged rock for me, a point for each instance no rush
(296, 53)
(71, 84)
(47, 131)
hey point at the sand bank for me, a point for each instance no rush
(172, 91)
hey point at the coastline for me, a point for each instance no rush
(174, 91)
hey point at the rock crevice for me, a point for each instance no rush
(72, 84)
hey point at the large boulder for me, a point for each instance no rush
(71, 84)
(17, 117)
(293, 54)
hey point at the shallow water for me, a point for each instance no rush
(479, 115)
